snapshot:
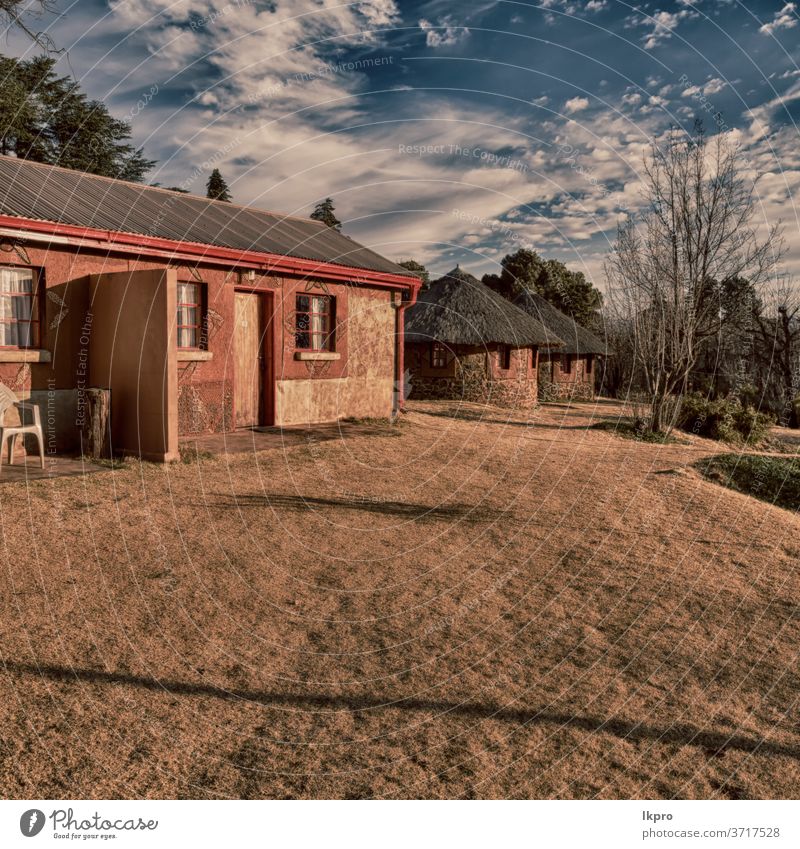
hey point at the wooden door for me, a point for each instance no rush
(249, 359)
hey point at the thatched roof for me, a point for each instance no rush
(577, 339)
(458, 309)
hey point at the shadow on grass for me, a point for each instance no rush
(401, 509)
(476, 416)
(680, 734)
(627, 430)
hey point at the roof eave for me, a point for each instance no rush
(111, 240)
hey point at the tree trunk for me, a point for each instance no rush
(95, 436)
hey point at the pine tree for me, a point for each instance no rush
(324, 212)
(217, 188)
(47, 118)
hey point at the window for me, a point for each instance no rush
(504, 357)
(589, 364)
(19, 308)
(313, 329)
(566, 363)
(438, 355)
(190, 309)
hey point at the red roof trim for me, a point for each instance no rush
(126, 242)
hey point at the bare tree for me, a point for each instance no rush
(696, 228)
(22, 13)
(777, 350)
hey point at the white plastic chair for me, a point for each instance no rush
(7, 400)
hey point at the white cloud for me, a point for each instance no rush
(379, 13)
(541, 101)
(596, 5)
(444, 33)
(632, 98)
(576, 104)
(663, 23)
(785, 19)
(712, 86)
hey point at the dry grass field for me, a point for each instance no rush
(465, 605)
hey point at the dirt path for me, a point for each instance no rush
(466, 605)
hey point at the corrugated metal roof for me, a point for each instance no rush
(48, 193)
(460, 310)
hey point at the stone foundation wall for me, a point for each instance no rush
(557, 383)
(566, 391)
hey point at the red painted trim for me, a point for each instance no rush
(127, 242)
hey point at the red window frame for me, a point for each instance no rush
(566, 363)
(438, 355)
(197, 327)
(504, 357)
(306, 338)
(35, 320)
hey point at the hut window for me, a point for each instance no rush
(504, 356)
(314, 323)
(19, 308)
(190, 310)
(589, 363)
(566, 363)
(438, 355)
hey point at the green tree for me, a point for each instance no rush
(324, 212)
(568, 291)
(47, 118)
(416, 268)
(217, 188)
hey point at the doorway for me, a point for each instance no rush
(251, 371)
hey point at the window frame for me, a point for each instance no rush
(504, 357)
(434, 360)
(200, 305)
(35, 296)
(566, 363)
(329, 333)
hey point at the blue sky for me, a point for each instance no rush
(450, 132)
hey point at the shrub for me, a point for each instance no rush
(724, 419)
(772, 479)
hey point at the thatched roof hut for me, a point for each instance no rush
(458, 309)
(577, 340)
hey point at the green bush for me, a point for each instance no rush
(772, 479)
(724, 419)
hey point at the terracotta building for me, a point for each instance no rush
(199, 316)
(570, 371)
(466, 342)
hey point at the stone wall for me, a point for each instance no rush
(474, 375)
(560, 381)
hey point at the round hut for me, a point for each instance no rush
(463, 341)
(568, 372)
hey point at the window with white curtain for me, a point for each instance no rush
(314, 323)
(190, 307)
(19, 308)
